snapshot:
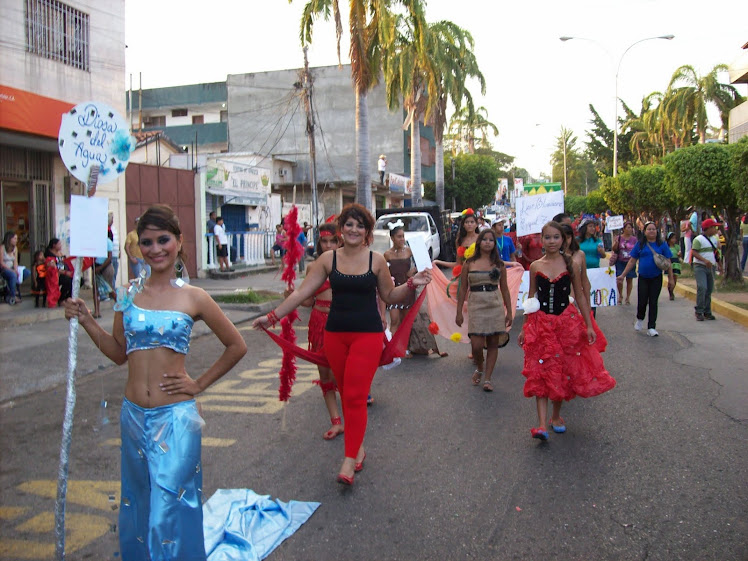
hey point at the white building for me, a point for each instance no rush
(53, 56)
(739, 115)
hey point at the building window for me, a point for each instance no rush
(224, 116)
(179, 112)
(197, 119)
(154, 121)
(56, 31)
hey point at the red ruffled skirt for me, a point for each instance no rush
(316, 333)
(559, 362)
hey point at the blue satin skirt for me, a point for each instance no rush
(161, 515)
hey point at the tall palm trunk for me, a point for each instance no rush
(439, 173)
(363, 172)
(415, 160)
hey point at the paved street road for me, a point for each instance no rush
(656, 469)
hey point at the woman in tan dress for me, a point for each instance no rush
(399, 258)
(489, 319)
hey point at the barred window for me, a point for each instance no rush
(56, 31)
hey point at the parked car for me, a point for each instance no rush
(419, 227)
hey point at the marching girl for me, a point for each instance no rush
(399, 259)
(354, 336)
(561, 361)
(488, 323)
(466, 236)
(320, 303)
(160, 515)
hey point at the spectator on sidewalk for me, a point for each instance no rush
(134, 256)
(706, 257)
(382, 167)
(222, 245)
(114, 237)
(9, 267)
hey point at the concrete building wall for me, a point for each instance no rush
(267, 116)
(33, 73)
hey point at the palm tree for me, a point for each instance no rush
(455, 64)
(698, 91)
(370, 24)
(465, 128)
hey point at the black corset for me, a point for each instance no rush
(553, 294)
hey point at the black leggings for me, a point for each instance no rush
(648, 292)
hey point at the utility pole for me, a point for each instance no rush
(307, 82)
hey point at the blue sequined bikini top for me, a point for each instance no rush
(151, 329)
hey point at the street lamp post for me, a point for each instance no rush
(618, 69)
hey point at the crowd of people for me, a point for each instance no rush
(355, 296)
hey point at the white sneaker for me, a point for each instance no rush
(639, 324)
(652, 332)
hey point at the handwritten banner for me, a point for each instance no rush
(603, 289)
(614, 223)
(534, 211)
(94, 134)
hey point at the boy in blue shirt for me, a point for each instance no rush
(503, 243)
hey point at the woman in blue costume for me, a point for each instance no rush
(561, 360)
(161, 494)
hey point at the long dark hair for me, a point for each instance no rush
(6, 239)
(569, 235)
(357, 212)
(48, 250)
(565, 254)
(161, 217)
(494, 255)
(462, 232)
(327, 228)
(643, 237)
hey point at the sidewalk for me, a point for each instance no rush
(34, 341)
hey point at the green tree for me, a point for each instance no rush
(370, 24)
(595, 203)
(619, 195)
(580, 170)
(704, 176)
(476, 178)
(649, 191)
(600, 144)
(575, 205)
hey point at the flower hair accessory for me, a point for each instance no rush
(470, 251)
(393, 225)
(468, 212)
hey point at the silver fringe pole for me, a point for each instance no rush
(67, 423)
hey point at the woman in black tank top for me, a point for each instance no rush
(354, 335)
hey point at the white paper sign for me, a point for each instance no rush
(603, 289)
(614, 223)
(420, 255)
(89, 220)
(94, 134)
(534, 211)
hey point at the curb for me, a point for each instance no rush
(738, 315)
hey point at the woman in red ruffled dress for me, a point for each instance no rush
(320, 303)
(561, 359)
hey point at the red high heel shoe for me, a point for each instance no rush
(359, 465)
(345, 480)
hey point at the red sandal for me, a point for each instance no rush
(332, 433)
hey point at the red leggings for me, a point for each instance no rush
(354, 358)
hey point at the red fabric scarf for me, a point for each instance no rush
(394, 348)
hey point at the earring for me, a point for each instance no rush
(181, 275)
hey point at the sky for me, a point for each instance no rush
(535, 83)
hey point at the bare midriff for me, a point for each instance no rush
(146, 373)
